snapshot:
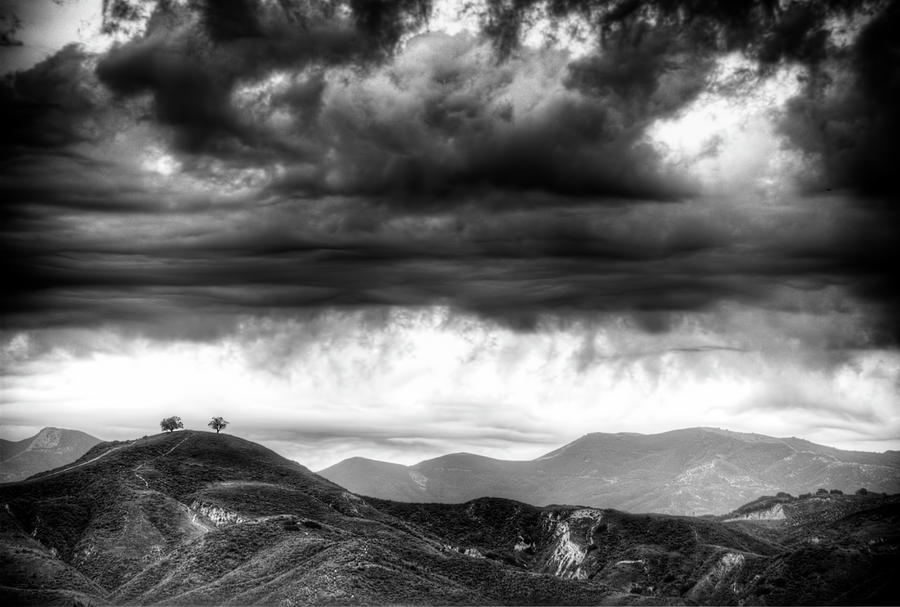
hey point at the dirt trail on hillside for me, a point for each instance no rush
(142, 464)
(93, 459)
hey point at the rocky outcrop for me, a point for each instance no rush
(571, 539)
(773, 513)
(48, 438)
(522, 545)
(419, 479)
(470, 552)
(721, 577)
(567, 556)
(218, 515)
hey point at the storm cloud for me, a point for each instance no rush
(546, 164)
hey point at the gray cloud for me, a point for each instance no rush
(514, 185)
(293, 202)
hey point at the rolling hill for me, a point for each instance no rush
(691, 471)
(50, 448)
(199, 518)
(819, 549)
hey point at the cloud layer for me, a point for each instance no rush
(528, 167)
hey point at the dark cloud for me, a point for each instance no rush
(385, 21)
(799, 35)
(459, 138)
(514, 266)
(848, 113)
(191, 60)
(848, 118)
(232, 19)
(724, 25)
(191, 65)
(444, 172)
(50, 106)
(10, 25)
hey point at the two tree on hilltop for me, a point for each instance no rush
(170, 424)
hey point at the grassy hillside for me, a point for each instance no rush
(836, 550)
(198, 518)
(195, 517)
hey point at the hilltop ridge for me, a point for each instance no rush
(685, 471)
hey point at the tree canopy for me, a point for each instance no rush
(171, 423)
(217, 423)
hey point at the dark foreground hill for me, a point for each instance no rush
(198, 518)
(692, 471)
(50, 448)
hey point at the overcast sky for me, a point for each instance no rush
(401, 229)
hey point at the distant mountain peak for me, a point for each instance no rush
(50, 448)
(699, 470)
(48, 438)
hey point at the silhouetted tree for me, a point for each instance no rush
(171, 423)
(217, 423)
(862, 491)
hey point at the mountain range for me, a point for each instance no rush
(197, 518)
(690, 471)
(48, 449)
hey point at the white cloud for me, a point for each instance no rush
(49, 25)
(416, 384)
(727, 138)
